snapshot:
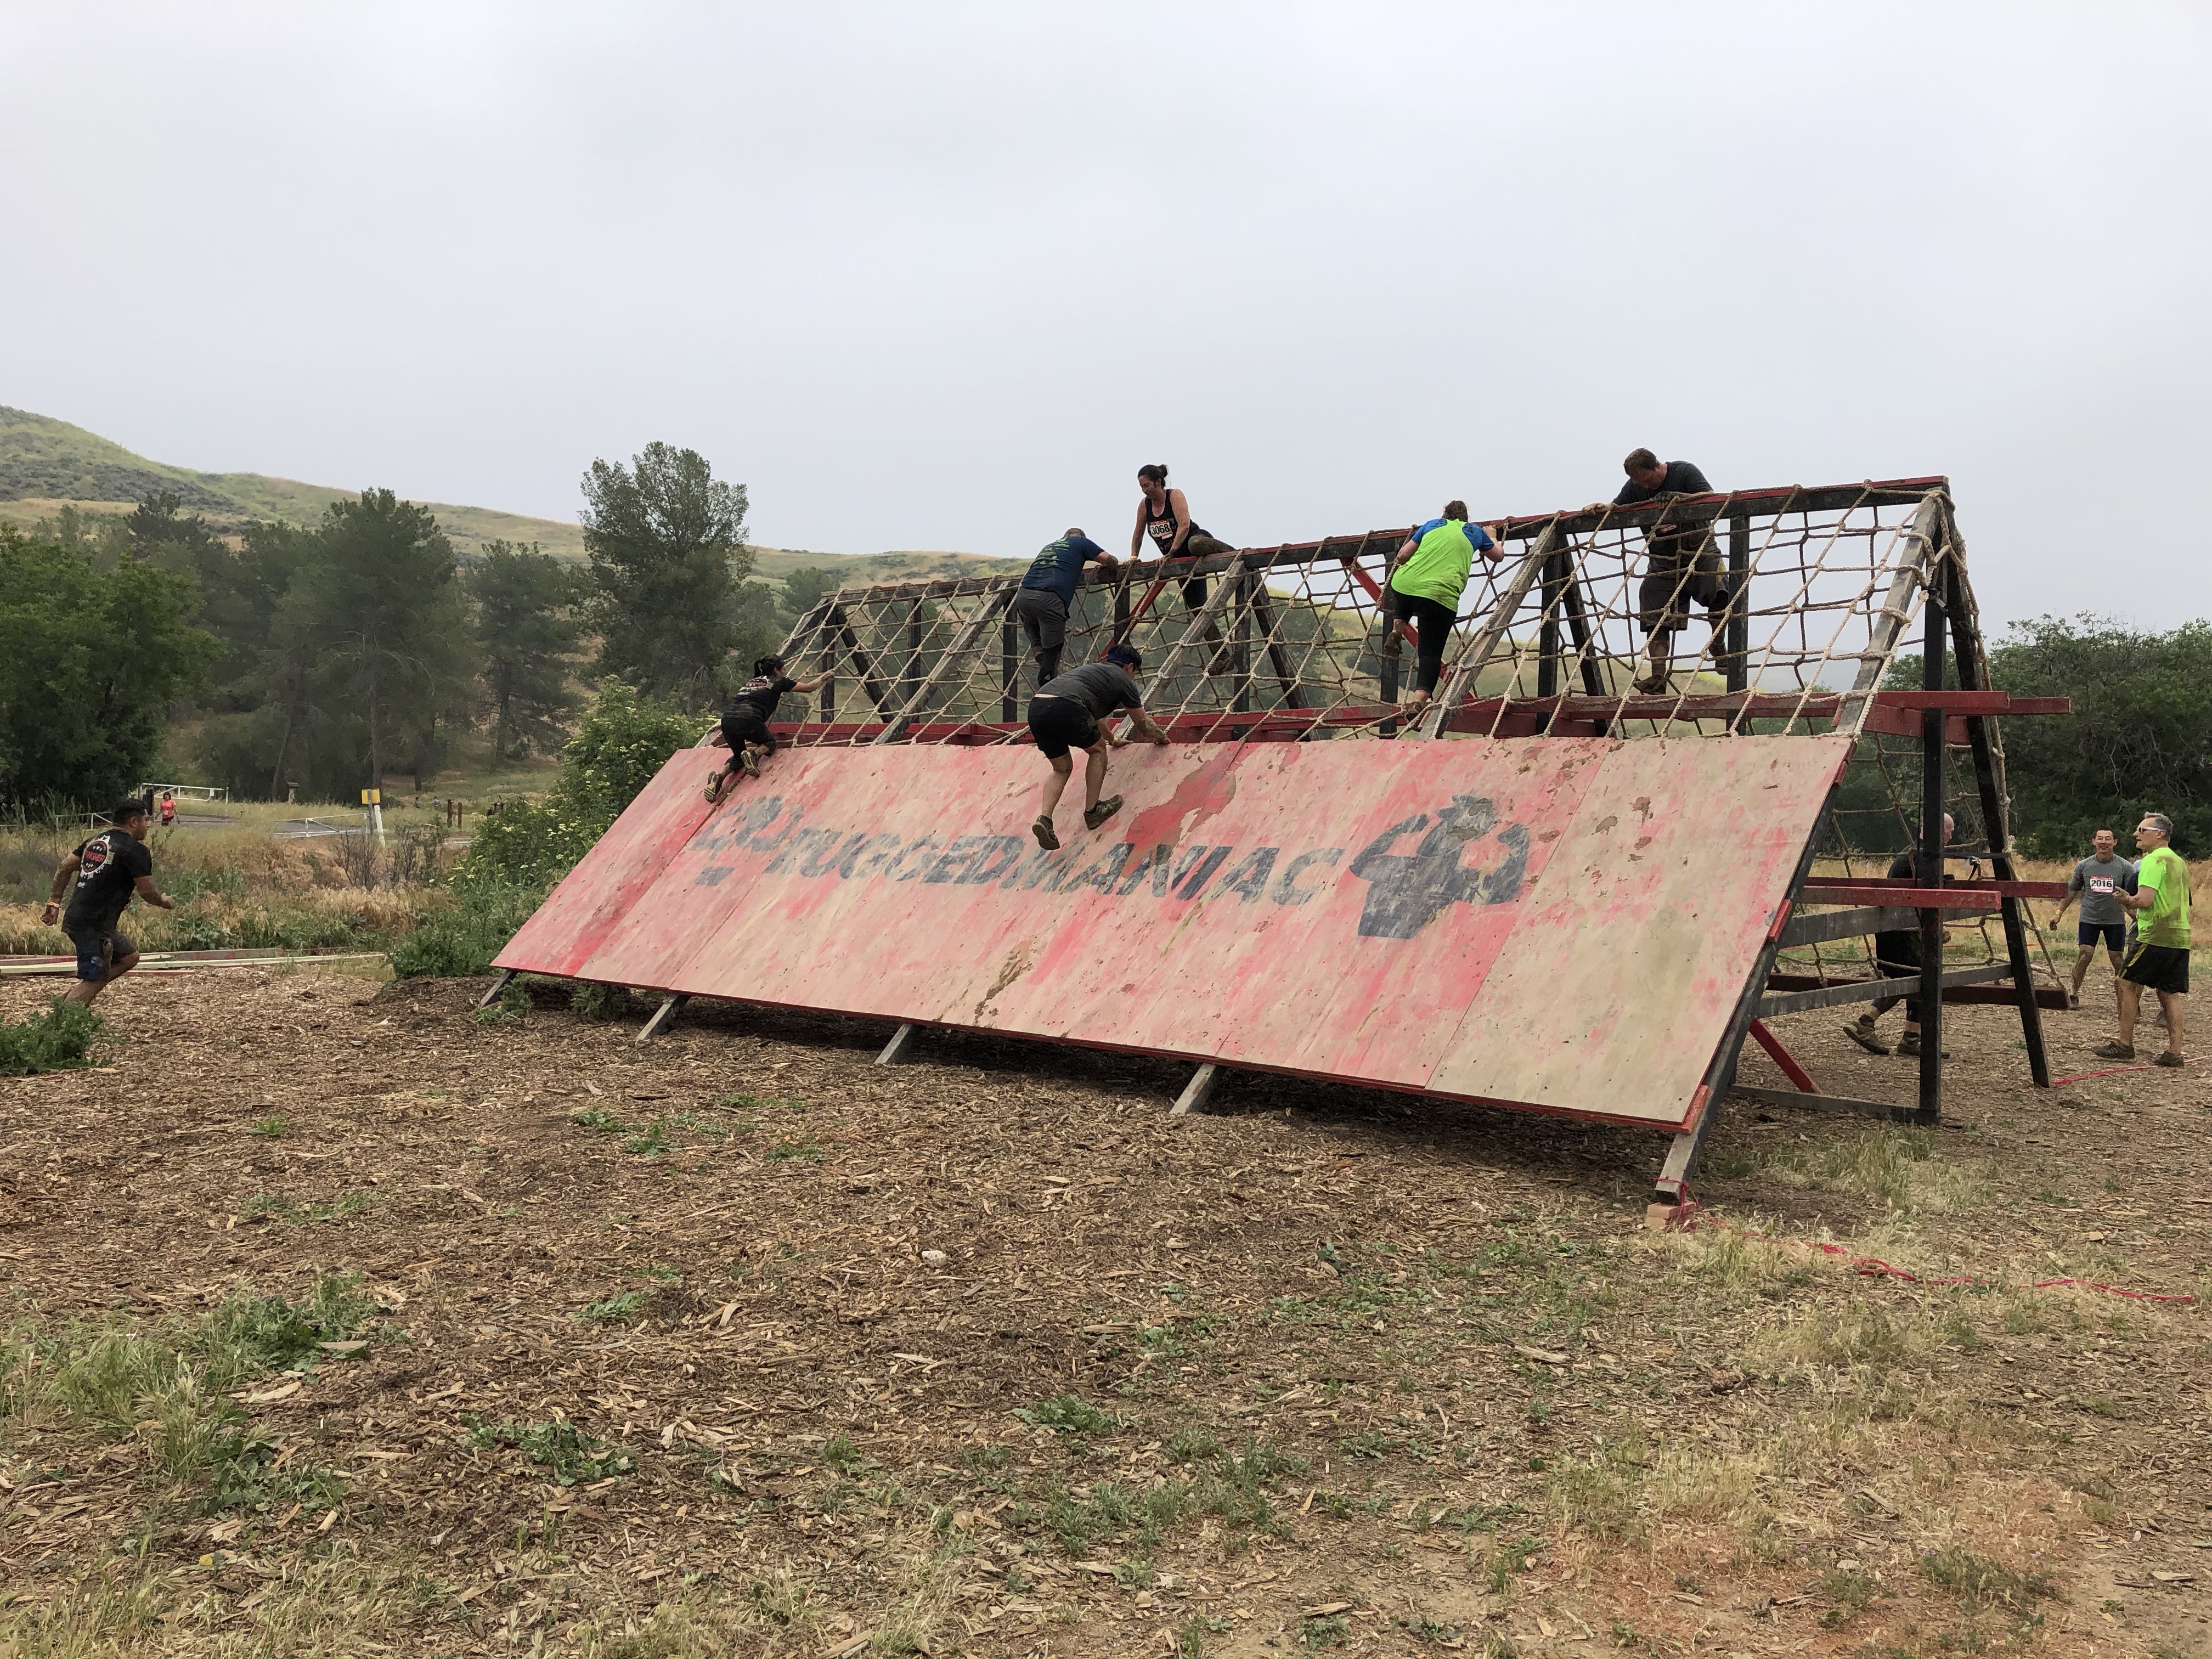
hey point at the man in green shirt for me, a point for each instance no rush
(2160, 958)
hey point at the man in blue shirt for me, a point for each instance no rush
(1047, 591)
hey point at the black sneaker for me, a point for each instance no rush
(1046, 837)
(1094, 815)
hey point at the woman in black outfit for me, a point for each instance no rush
(1164, 518)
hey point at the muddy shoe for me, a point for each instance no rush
(1908, 1047)
(1862, 1032)
(1094, 815)
(2114, 1051)
(2169, 1058)
(1048, 837)
(1654, 685)
(713, 791)
(750, 761)
(1394, 644)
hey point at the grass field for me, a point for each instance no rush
(345, 1320)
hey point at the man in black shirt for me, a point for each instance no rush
(1065, 714)
(1682, 564)
(1897, 956)
(745, 718)
(106, 870)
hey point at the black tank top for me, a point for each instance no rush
(1161, 525)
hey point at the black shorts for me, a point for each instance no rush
(745, 726)
(1060, 724)
(2114, 934)
(97, 950)
(1043, 617)
(2158, 968)
(1670, 585)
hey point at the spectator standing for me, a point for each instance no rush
(2100, 880)
(2159, 959)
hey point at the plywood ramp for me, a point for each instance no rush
(1561, 924)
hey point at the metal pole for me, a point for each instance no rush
(1932, 737)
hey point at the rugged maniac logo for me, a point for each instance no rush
(1405, 891)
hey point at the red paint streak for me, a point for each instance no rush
(1201, 792)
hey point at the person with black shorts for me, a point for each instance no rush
(2097, 880)
(1681, 564)
(745, 721)
(101, 875)
(1897, 956)
(2159, 959)
(1163, 519)
(1066, 715)
(1047, 590)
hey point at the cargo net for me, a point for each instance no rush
(1782, 602)
(1785, 608)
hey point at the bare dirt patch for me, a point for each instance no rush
(526, 1338)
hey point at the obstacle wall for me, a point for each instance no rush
(1562, 924)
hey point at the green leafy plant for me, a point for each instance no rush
(272, 1127)
(622, 1305)
(562, 1449)
(61, 1038)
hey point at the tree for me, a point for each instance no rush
(524, 632)
(805, 587)
(88, 660)
(2139, 740)
(668, 563)
(371, 645)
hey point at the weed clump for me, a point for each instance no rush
(562, 1449)
(60, 1039)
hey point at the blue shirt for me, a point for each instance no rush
(1059, 566)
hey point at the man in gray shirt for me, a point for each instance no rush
(1066, 714)
(2097, 880)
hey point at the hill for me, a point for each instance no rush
(46, 465)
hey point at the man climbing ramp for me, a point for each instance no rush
(1426, 581)
(1065, 714)
(1047, 592)
(745, 721)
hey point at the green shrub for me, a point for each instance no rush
(460, 942)
(60, 1038)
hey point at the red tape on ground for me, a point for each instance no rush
(1687, 1214)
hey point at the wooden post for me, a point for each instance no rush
(1121, 608)
(1277, 658)
(1009, 673)
(670, 1005)
(895, 1050)
(1197, 1091)
(506, 976)
(1547, 632)
(1997, 811)
(1240, 653)
(1736, 630)
(878, 697)
(1932, 847)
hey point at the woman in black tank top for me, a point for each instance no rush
(1163, 520)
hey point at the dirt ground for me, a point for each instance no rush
(737, 1343)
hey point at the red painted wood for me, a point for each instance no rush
(1549, 923)
(1799, 1077)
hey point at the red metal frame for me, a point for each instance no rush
(1781, 1056)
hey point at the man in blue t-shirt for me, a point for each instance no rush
(1047, 591)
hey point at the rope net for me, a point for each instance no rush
(1788, 609)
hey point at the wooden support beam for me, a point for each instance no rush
(1953, 896)
(505, 978)
(1840, 1104)
(670, 1005)
(1873, 990)
(894, 1051)
(1781, 1056)
(1818, 927)
(1197, 1091)
(1277, 660)
(877, 695)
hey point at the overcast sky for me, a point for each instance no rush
(944, 275)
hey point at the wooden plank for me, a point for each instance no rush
(669, 1007)
(1888, 1111)
(1951, 895)
(1838, 995)
(1818, 926)
(1243, 898)
(1196, 1092)
(894, 1051)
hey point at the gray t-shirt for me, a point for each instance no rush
(1101, 687)
(2096, 880)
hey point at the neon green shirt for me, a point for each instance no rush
(1437, 569)
(2166, 922)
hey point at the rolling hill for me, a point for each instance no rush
(46, 465)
